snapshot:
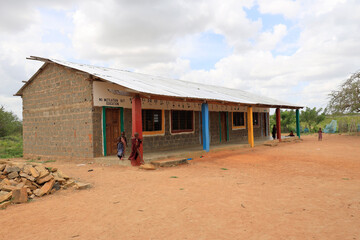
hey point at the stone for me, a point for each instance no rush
(62, 175)
(37, 192)
(7, 188)
(57, 186)
(13, 175)
(32, 196)
(31, 178)
(5, 197)
(47, 187)
(44, 179)
(68, 184)
(81, 186)
(6, 182)
(2, 167)
(11, 169)
(27, 169)
(4, 204)
(42, 171)
(53, 169)
(30, 185)
(147, 166)
(20, 185)
(34, 172)
(20, 195)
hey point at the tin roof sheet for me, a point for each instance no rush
(155, 85)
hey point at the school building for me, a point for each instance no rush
(77, 111)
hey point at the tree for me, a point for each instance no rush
(288, 120)
(312, 117)
(347, 99)
(9, 123)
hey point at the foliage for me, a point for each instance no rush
(312, 117)
(346, 122)
(288, 120)
(347, 99)
(9, 123)
(11, 146)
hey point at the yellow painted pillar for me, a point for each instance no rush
(250, 126)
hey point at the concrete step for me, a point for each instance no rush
(169, 162)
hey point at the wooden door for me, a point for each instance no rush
(265, 126)
(112, 130)
(223, 126)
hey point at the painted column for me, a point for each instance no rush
(278, 124)
(205, 126)
(137, 119)
(297, 123)
(121, 119)
(220, 125)
(250, 126)
(104, 129)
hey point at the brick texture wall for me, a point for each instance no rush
(58, 117)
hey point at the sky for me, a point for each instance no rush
(290, 50)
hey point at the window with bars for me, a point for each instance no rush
(151, 120)
(238, 119)
(182, 121)
(255, 119)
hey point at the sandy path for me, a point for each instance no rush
(307, 190)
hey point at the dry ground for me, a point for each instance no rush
(307, 190)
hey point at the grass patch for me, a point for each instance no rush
(224, 168)
(345, 179)
(173, 177)
(11, 146)
(181, 189)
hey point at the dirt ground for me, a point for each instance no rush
(307, 190)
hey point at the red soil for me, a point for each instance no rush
(307, 190)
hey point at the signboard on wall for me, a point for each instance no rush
(111, 95)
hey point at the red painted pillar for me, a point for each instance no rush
(137, 119)
(278, 124)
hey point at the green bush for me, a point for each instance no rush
(11, 146)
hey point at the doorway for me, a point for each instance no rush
(112, 130)
(223, 127)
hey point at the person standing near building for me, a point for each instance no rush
(320, 135)
(121, 146)
(135, 156)
(274, 132)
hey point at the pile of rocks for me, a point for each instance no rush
(21, 181)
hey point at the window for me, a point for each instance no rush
(152, 120)
(238, 120)
(181, 121)
(255, 119)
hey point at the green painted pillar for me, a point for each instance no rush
(104, 129)
(121, 119)
(297, 123)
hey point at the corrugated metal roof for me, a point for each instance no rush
(154, 85)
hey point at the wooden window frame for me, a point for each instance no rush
(162, 131)
(233, 127)
(181, 131)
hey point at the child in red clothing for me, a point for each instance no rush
(320, 135)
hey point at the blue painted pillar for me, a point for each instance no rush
(205, 126)
(297, 123)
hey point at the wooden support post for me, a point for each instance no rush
(297, 123)
(227, 127)
(104, 129)
(250, 126)
(278, 124)
(137, 119)
(205, 126)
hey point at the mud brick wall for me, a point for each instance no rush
(58, 116)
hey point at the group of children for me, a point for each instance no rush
(135, 155)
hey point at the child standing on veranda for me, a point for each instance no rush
(320, 135)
